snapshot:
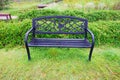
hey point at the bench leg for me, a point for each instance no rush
(10, 16)
(7, 17)
(28, 52)
(90, 54)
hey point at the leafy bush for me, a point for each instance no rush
(13, 33)
(37, 13)
(106, 32)
(3, 3)
(93, 16)
(103, 15)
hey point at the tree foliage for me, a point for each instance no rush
(3, 4)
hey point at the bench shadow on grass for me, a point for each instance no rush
(59, 54)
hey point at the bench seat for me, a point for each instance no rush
(77, 43)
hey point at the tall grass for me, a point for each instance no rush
(85, 5)
(60, 64)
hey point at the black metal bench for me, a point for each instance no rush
(66, 25)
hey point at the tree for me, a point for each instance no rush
(3, 4)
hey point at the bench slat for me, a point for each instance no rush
(59, 43)
(39, 32)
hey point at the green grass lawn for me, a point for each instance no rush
(60, 64)
(57, 63)
(17, 8)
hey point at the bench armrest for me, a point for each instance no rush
(92, 35)
(26, 35)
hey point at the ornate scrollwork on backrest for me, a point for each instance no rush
(60, 24)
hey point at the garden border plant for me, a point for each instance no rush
(106, 31)
(91, 17)
(12, 33)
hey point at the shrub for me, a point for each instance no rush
(3, 3)
(92, 16)
(37, 13)
(12, 33)
(106, 32)
(103, 15)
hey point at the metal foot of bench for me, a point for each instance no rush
(90, 54)
(28, 52)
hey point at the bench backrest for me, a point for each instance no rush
(59, 25)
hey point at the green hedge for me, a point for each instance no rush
(12, 33)
(106, 32)
(91, 16)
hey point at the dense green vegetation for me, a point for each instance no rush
(106, 31)
(4, 3)
(92, 16)
(13, 32)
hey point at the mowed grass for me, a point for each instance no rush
(60, 64)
